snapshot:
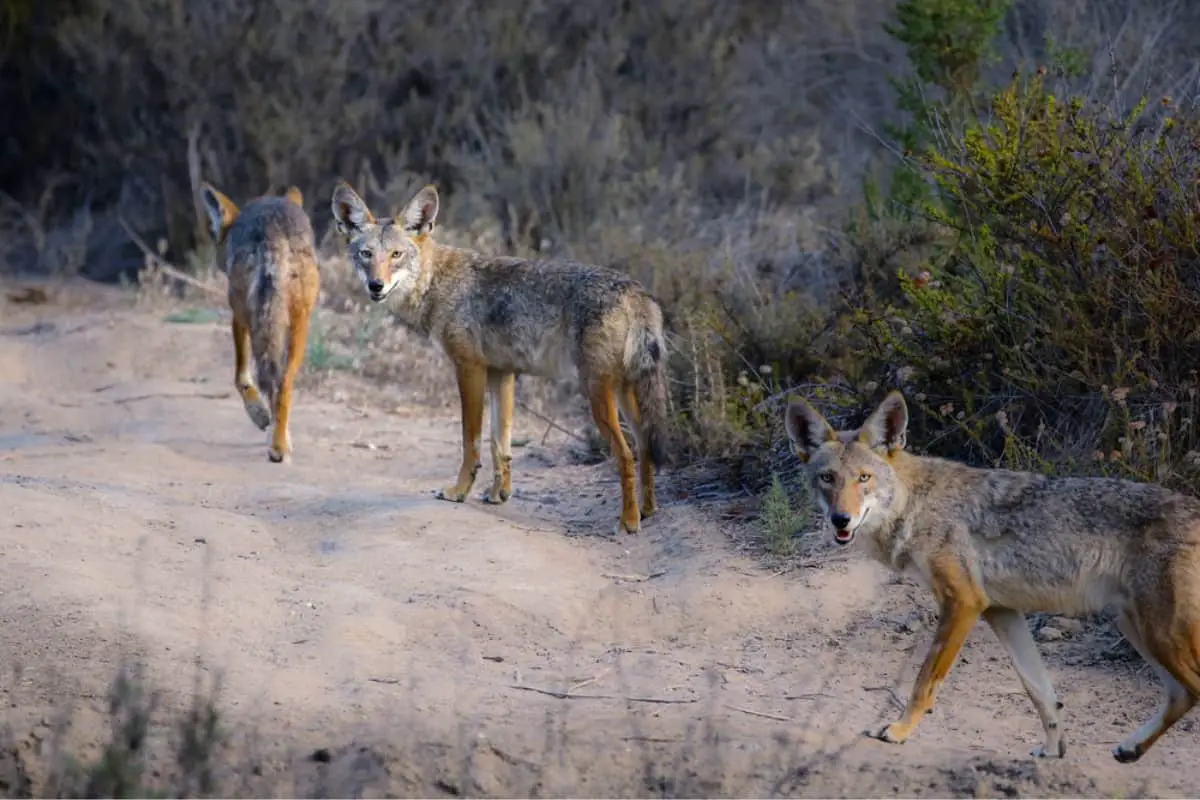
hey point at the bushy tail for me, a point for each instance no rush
(269, 338)
(646, 362)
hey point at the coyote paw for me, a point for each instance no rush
(259, 414)
(277, 456)
(886, 734)
(451, 493)
(625, 526)
(495, 496)
(1127, 754)
(1051, 751)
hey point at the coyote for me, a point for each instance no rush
(267, 251)
(498, 317)
(999, 543)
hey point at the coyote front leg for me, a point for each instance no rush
(961, 606)
(472, 384)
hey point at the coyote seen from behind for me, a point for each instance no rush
(498, 317)
(267, 250)
(999, 543)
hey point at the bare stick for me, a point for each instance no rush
(139, 397)
(552, 424)
(570, 696)
(165, 266)
(576, 687)
(636, 578)
(762, 714)
(891, 693)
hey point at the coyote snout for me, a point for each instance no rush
(847, 509)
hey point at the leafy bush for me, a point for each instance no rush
(1065, 288)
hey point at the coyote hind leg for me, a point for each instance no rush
(501, 393)
(1177, 698)
(243, 381)
(602, 394)
(630, 409)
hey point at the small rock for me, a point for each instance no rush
(1049, 633)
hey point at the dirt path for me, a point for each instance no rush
(347, 609)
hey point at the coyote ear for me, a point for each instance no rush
(294, 194)
(887, 426)
(221, 211)
(350, 213)
(421, 212)
(806, 429)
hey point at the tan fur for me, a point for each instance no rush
(267, 251)
(998, 544)
(497, 318)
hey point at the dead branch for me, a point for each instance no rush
(166, 267)
(628, 699)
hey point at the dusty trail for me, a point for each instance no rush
(341, 603)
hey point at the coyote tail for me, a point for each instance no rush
(646, 361)
(269, 338)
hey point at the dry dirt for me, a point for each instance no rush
(370, 638)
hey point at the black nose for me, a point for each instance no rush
(375, 285)
(840, 521)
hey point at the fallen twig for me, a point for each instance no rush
(808, 696)
(762, 714)
(628, 699)
(139, 397)
(166, 267)
(552, 424)
(891, 693)
(636, 578)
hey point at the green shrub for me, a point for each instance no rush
(1064, 289)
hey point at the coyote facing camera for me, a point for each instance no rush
(1000, 543)
(498, 317)
(267, 251)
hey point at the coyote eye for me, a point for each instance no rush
(364, 253)
(863, 477)
(395, 254)
(826, 477)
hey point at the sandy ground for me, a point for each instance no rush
(352, 617)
